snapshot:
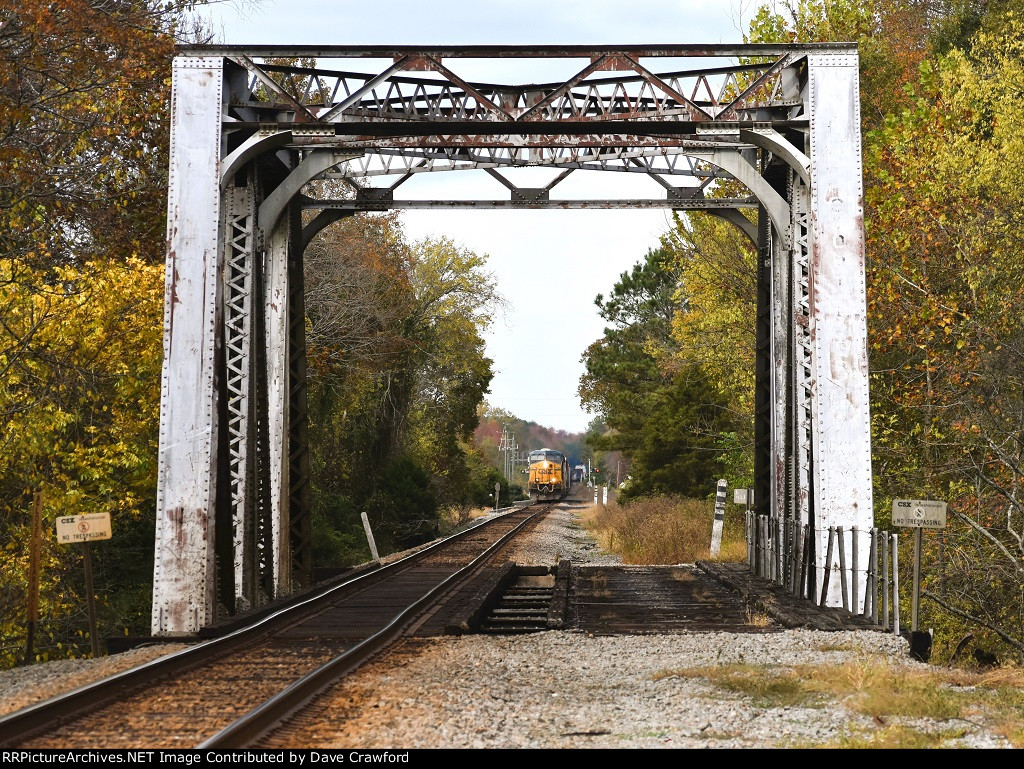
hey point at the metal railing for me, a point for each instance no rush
(782, 550)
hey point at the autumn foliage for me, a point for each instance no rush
(943, 160)
(397, 364)
(944, 209)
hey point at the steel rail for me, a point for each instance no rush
(262, 719)
(30, 720)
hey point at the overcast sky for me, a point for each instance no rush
(549, 264)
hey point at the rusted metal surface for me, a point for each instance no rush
(675, 50)
(383, 114)
(189, 454)
(238, 287)
(275, 313)
(841, 424)
(709, 204)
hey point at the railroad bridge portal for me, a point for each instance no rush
(248, 136)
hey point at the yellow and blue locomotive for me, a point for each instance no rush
(549, 474)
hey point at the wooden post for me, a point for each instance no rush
(886, 581)
(746, 536)
(780, 554)
(34, 554)
(804, 590)
(871, 583)
(94, 640)
(854, 572)
(795, 547)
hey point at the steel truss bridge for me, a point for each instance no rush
(255, 142)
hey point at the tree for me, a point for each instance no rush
(715, 328)
(83, 142)
(664, 414)
(943, 215)
(80, 419)
(456, 300)
(947, 331)
(399, 372)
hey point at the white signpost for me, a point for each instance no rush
(85, 529)
(918, 514)
(719, 522)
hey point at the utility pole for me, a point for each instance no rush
(503, 448)
(509, 448)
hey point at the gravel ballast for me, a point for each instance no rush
(561, 690)
(570, 689)
(25, 686)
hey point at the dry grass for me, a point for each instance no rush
(874, 686)
(757, 618)
(664, 530)
(897, 737)
(766, 687)
(840, 647)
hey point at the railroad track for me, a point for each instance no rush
(230, 691)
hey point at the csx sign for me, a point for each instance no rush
(83, 528)
(919, 513)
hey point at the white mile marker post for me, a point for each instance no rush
(716, 529)
(369, 538)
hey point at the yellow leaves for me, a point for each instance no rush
(80, 426)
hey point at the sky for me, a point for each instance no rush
(549, 265)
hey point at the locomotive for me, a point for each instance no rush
(549, 474)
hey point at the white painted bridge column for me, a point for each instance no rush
(183, 576)
(840, 410)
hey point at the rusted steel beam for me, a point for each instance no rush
(623, 128)
(605, 79)
(840, 407)
(677, 204)
(510, 51)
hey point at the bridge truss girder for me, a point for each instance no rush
(254, 143)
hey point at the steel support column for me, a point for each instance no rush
(276, 304)
(300, 543)
(183, 571)
(840, 416)
(240, 266)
